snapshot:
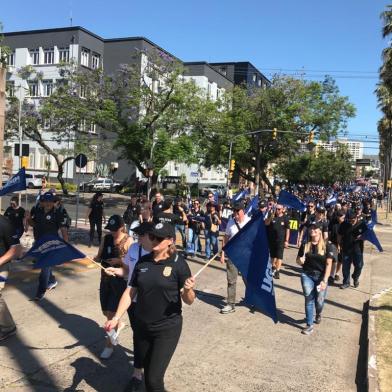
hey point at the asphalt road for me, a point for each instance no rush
(60, 338)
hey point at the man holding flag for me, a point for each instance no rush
(235, 224)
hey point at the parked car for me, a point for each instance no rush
(100, 185)
(33, 180)
(221, 189)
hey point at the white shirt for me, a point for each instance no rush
(133, 255)
(232, 229)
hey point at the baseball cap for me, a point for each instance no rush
(317, 225)
(167, 204)
(163, 230)
(115, 222)
(238, 206)
(47, 196)
(320, 209)
(262, 204)
(351, 215)
(143, 228)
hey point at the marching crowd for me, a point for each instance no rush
(145, 275)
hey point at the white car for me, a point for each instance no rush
(101, 185)
(221, 189)
(33, 181)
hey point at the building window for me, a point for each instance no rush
(10, 89)
(48, 87)
(84, 58)
(95, 61)
(259, 82)
(209, 91)
(31, 163)
(64, 55)
(34, 56)
(223, 71)
(49, 56)
(254, 78)
(93, 128)
(11, 59)
(33, 89)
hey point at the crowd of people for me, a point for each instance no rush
(146, 275)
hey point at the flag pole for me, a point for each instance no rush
(205, 266)
(99, 265)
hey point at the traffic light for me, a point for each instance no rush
(274, 133)
(232, 165)
(311, 137)
(230, 175)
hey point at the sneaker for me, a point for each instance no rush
(229, 308)
(5, 335)
(307, 330)
(345, 286)
(277, 274)
(337, 278)
(356, 283)
(39, 297)
(318, 319)
(106, 353)
(52, 285)
(135, 385)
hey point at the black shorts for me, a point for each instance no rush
(110, 291)
(276, 249)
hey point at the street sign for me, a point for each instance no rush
(362, 162)
(25, 150)
(81, 161)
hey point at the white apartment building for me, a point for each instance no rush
(355, 148)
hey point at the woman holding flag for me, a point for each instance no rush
(315, 256)
(111, 252)
(161, 280)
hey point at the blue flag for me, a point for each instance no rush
(15, 183)
(240, 195)
(249, 252)
(252, 206)
(370, 235)
(216, 197)
(289, 200)
(374, 219)
(332, 200)
(51, 250)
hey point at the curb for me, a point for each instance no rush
(372, 376)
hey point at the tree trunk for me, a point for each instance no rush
(257, 165)
(60, 173)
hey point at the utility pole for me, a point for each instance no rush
(3, 71)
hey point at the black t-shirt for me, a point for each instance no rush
(195, 224)
(177, 211)
(308, 219)
(132, 213)
(349, 233)
(168, 217)
(157, 207)
(16, 217)
(323, 225)
(333, 235)
(211, 219)
(7, 236)
(314, 262)
(96, 210)
(46, 223)
(277, 228)
(158, 286)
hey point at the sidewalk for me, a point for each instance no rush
(60, 338)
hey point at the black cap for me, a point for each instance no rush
(317, 225)
(238, 206)
(143, 228)
(262, 204)
(163, 230)
(320, 209)
(351, 214)
(167, 204)
(340, 213)
(47, 196)
(115, 222)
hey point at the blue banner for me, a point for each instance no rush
(240, 195)
(289, 200)
(370, 235)
(51, 250)
(15, 183)
(249, 252)
(252, 206)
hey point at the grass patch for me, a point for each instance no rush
(384, 341)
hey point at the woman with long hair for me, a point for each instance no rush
(315, 256)
(111, 253)
(96, 216)
(161, 280)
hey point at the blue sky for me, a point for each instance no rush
(322, 36)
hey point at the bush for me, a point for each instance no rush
(68, 186)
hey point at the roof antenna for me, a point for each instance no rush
(70, 13)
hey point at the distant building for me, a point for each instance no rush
(355, 148)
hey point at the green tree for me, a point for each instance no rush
(157, 113)
(65, 116)
(295, 107)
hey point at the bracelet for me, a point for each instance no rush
(115, 318)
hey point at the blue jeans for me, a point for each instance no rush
(313, 298)
(211, 241)
(181, 230)
(45, 279)
(193, 244)
(357, 260)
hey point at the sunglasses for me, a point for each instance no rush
(279, 209)
(152, 237)
(196, 204)
(310, 205)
